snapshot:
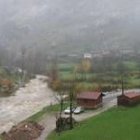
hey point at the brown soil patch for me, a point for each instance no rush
(24, 131)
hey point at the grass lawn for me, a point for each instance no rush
(131, 65)
(116, 124)
(93, 80)
(108, 80)
(66, 67)
(49, 109)
(134, 82)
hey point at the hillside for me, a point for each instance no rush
(45, 28)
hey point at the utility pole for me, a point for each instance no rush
(122, 76)
(23, 51)
(23, 57)
(122, 85)
(54, 70)
(61, 104)
(71, 106)
(71, 98)
(70, 88)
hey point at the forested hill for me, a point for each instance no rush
(64, 25)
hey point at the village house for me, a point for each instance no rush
(87, 56)
(129, 99)
(89, 100)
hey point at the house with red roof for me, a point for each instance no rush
(89, 100)
(129, 99)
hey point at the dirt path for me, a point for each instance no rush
(49, 123)
(27, 101)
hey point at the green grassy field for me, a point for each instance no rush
(46, 110)
(116, 124)
(131, 65)
(108, 80)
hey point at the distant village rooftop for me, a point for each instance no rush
(88, 55)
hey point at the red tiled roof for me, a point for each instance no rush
(89, 95)
(132, 94)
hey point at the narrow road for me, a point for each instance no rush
(49, 121)
(49, 124)
(26, 101)
(109, 101)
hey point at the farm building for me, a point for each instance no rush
(129, 99)
(89, 100)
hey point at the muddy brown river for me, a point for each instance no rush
(26, 101)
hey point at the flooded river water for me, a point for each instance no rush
(26, 101)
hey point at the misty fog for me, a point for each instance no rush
(78, 54)
(49, 26)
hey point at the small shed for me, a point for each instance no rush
(129, 99)
(89, 100)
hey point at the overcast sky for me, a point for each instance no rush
(59, 18)
(27, 9)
